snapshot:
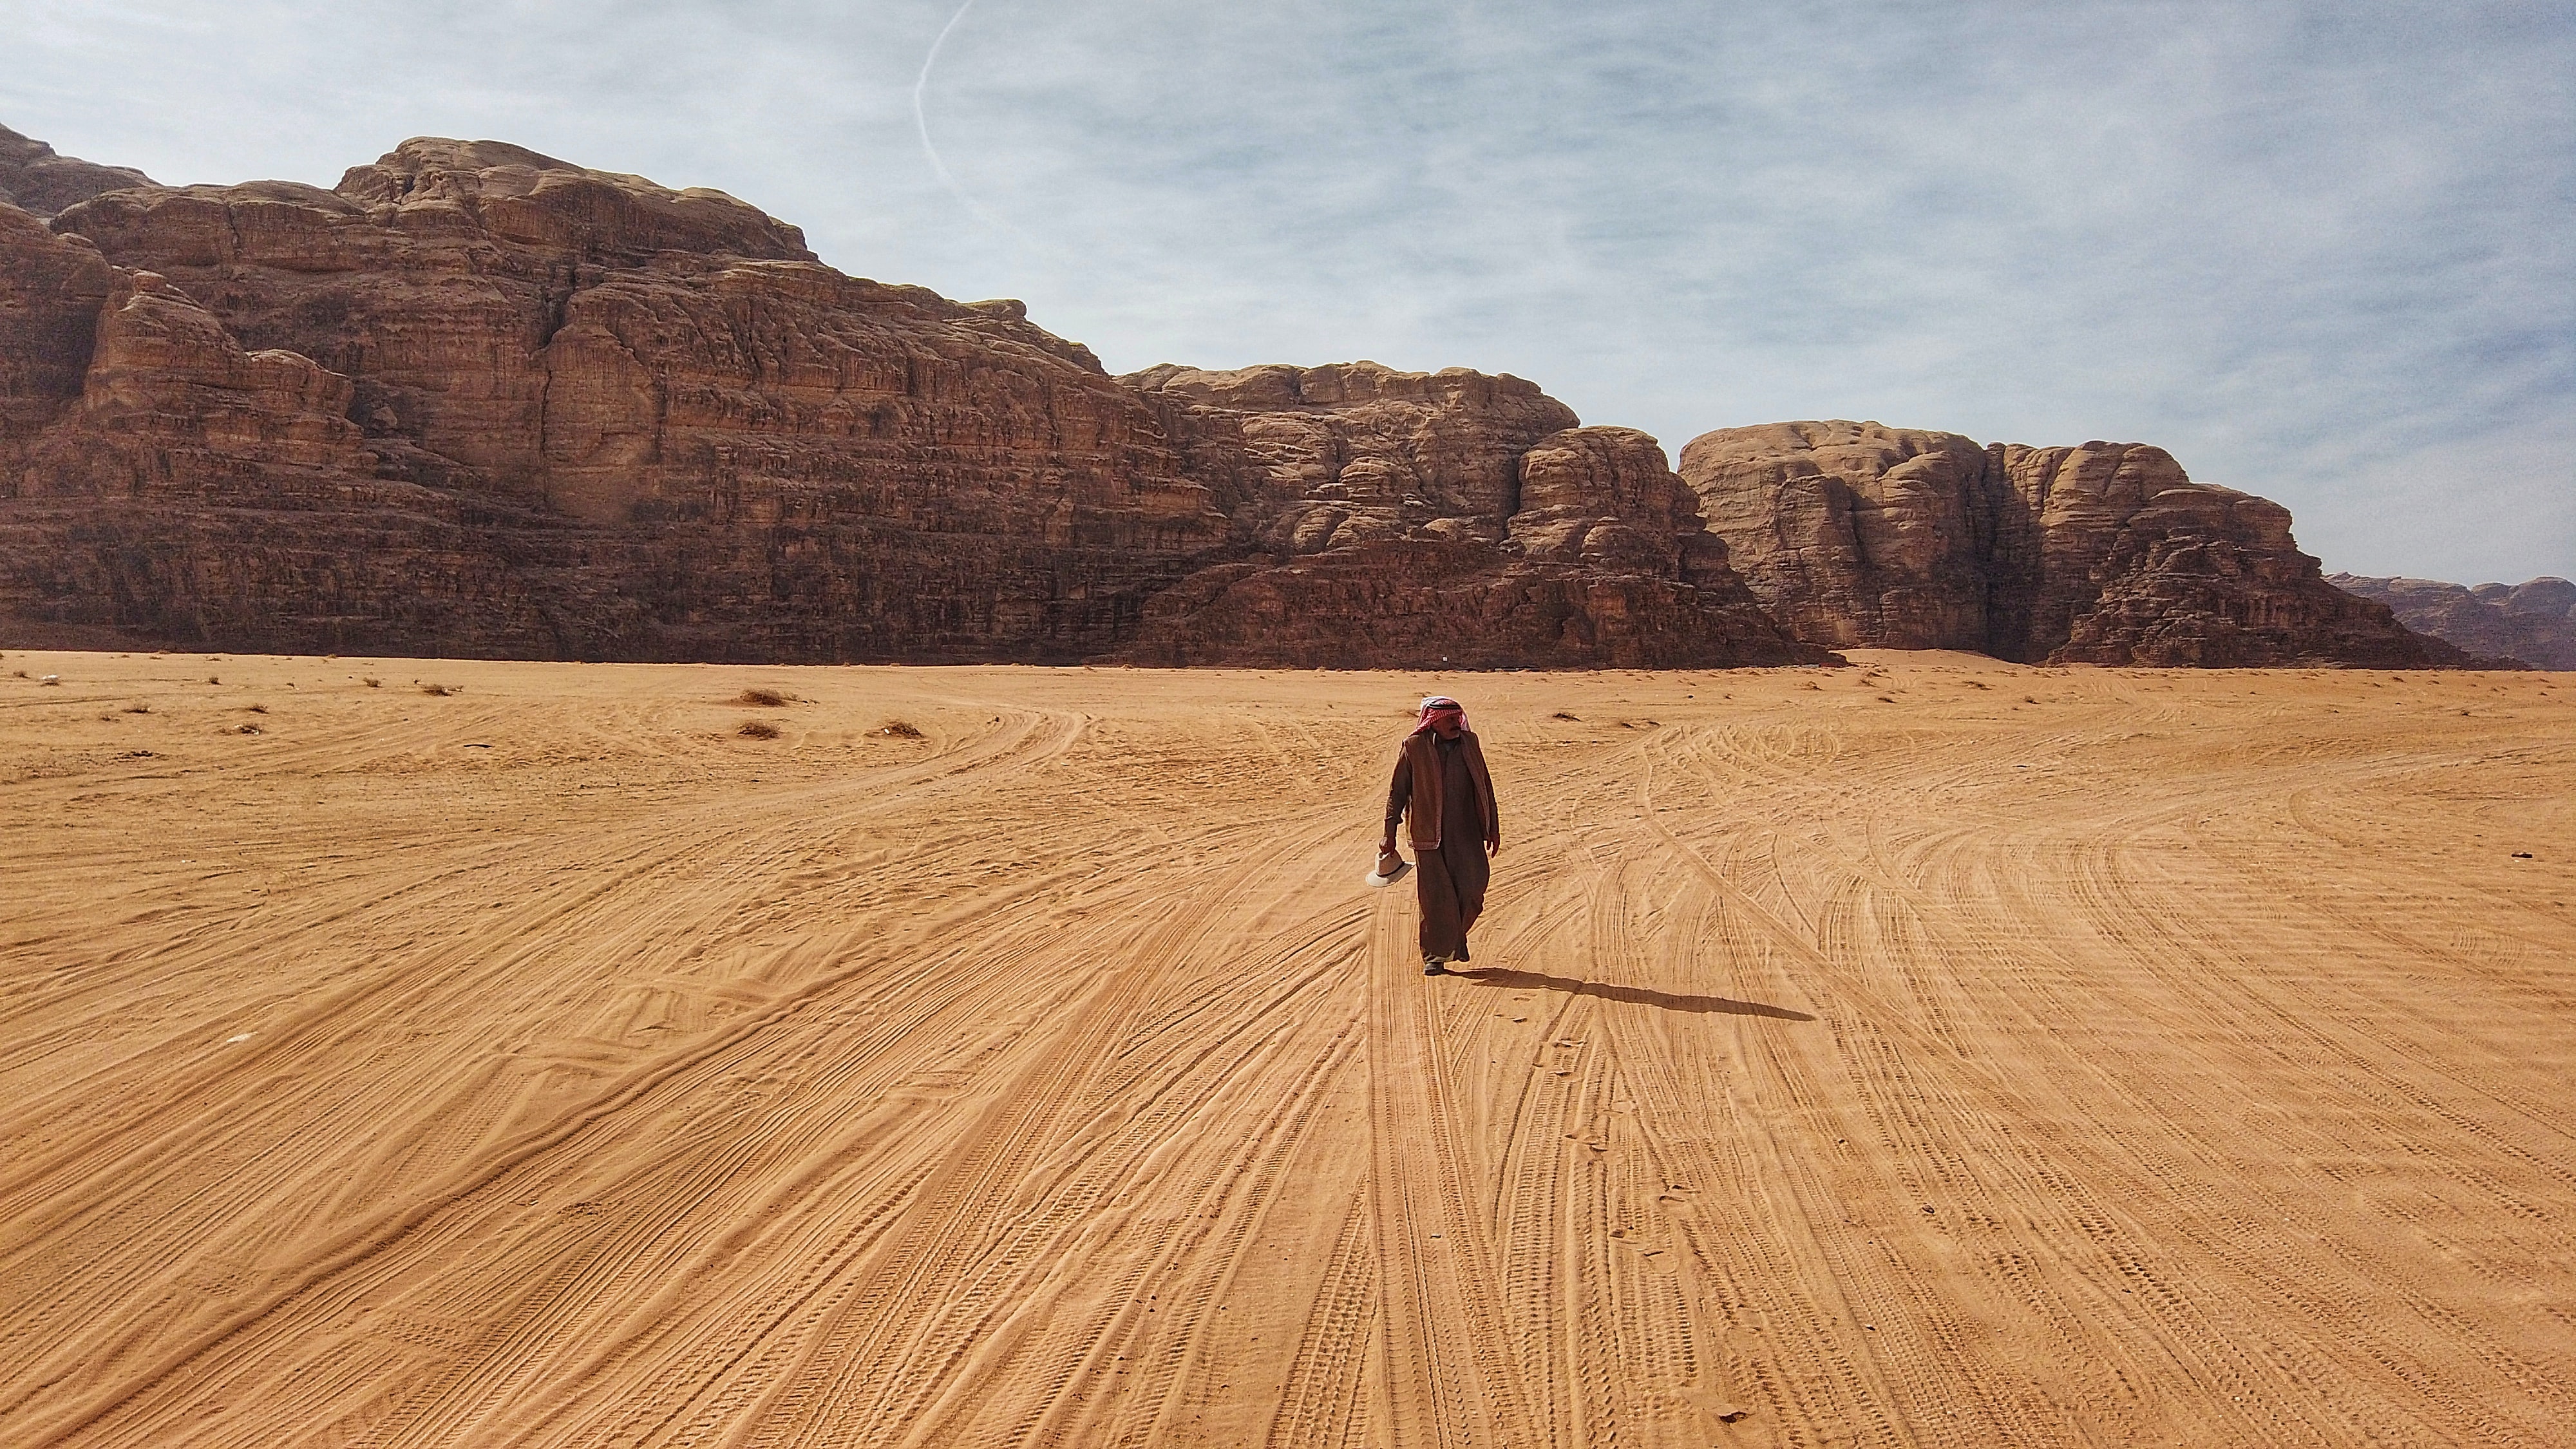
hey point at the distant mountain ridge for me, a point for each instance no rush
(2534, 622)
(476, 400)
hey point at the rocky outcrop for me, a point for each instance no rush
(474, 399)
(40, 183)
(1402, 517)
(1855, 533)
(51, 290)
(477, 400)
(2533, 623)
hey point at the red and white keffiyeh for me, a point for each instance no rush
(1437, 709)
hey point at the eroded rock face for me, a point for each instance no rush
(2534, 622)
(1854, 533)
(51, 290)
(40, 183)
(2105, 553)
(1420, 517)
(479, 400)
(476, 400)
(583, 414)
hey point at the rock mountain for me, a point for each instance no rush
(2533, 622)
(474, 400)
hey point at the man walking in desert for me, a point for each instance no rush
(1442, 784)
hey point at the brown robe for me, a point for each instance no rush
(1443, 786)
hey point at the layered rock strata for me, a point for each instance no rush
(2534, 622)
(1405, 516)
(1859, 534)
(40, 183)
(477, 400)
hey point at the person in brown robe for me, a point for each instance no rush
(1442, 786)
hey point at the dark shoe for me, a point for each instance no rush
(1434, 966)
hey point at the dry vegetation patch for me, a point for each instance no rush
(764, 698)
(758, 729)
(896, 729)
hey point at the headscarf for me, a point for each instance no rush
(1437, 707)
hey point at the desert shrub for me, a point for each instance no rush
(256, 708)
(758, 729)
(372, 683)
(895, 729)
(248, 729)
(440, 690)
(1561, 714)
(764, 698)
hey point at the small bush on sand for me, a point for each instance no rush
(372, 683)
(138, 707)
(764, 698)
(441, 690)
(214, 679)
(17, 674)
(248, 729)
(895, 729)
(1561, 714)
(758, 729)
(256, 708)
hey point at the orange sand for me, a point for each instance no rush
(1955, 1054)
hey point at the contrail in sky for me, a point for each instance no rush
(921, 123)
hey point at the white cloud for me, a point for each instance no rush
(2317, 250)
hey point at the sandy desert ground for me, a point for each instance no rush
(1938, 1052)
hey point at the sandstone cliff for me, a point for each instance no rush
(478, 400)
(2533, 622)
(1451, 516)
(1858, 534)
(36, 181)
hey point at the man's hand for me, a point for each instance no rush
(1386, 846)
(1493, 848)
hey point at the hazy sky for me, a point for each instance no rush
(2319, 251)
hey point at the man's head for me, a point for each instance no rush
(1442, 716)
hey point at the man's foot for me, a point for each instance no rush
(1434, 966)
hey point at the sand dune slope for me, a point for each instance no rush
(1941, 1053)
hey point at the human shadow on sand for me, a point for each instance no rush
(1635, 994)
